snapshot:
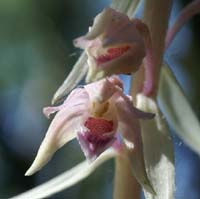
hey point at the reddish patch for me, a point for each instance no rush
(99, 126)
(112, 53)
(96, 138)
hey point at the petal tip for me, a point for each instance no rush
(43, 156)
(29, 172)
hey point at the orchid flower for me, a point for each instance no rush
(99, 115)
(115, 44)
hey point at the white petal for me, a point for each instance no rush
(158, 151)
(67, 179)
(178, 110)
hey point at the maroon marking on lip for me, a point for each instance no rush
(112, 53)
(97, 138)
(98, 126)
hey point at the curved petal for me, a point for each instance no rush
(62, 128)
(82, 42)
(78, 94)
(122, 31)
(47, 111)
(130, 129)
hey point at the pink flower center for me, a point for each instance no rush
(112, 53)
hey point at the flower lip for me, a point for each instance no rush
(112, 53)
(97, 137)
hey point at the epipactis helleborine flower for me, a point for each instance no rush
(95, 114)
(114, 45)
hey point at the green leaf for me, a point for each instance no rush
(158, 151)
(178, 110)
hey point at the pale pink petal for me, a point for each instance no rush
(82, 42)
(122, 32)
(129, 128)
(50, 110)
(62, 129)
(77, 97)
(77, 94)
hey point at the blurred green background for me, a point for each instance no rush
(36, 54)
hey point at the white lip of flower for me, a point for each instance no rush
(94, 114)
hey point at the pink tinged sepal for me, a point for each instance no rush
(114, 47)
(96, 137)
(62, 128)
(131, 132)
